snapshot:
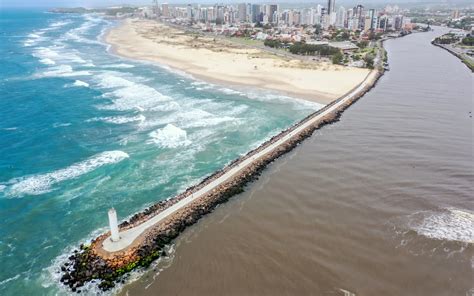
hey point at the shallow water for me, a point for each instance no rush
(82, 130)
(379, 203)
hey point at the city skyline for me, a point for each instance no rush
(99, 3)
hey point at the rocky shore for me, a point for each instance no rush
(92, 264)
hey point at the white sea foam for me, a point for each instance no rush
(119, 119)
(449, 224)
(57, 124)
(199, 83)
(63, 71)
(58, 53)
(34, 38)
(113, 80)
(200, 118)
(29, 42)
(47, 61)
(119, 66)
(39, 184)
(59, 24)
(230, 91)
(77, 34)
(45, 52)
(9, 279)
(169, 137)
(80, 83)
(130, 95)
(2, 187)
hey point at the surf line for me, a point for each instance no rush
(144, 236)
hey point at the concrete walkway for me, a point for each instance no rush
(128, 236)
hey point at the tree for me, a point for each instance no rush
(363, 44)
(369, 61)
(468, 41)
(312, 49)
(272, 43)
(337, 58)
(317, 29)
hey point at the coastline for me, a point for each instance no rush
(226, 63)
(93, 262)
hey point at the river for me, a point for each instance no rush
(380, 203)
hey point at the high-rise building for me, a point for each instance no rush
(373, 19)
(331, 6)
(219, 14)
(398, 21)
(271, 10)
(331, 12)
(359, 16)
(189, 11)
(165, 10)
(256, 11)
(340, 17)
(455, 14)
(242, 12)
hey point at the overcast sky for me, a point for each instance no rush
(104, 3)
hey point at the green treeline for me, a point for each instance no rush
(312, 49)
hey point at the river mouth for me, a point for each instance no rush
(377, 204)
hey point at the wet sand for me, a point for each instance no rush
(379, 203)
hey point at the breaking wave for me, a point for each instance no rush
(119, 119)
(119, 66)
(169, 137)
(449, 224)
(39, 184)
(80, 83)
(63, 71)
(130, 95)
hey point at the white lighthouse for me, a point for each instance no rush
(113, 225)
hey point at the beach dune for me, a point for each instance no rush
(222, 61)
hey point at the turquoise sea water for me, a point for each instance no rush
(82, 130)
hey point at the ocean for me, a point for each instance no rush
(83, 130)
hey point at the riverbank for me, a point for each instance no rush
(465, 60)
(94, 263)
(224, 62)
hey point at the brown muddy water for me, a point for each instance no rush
(380, 203)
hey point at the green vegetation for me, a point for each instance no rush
(464, 23)
(363, 44)
(369, 61)
(446, 39)
(468, 62)
(337, 58)
(469, 41)
(318, 29)
(273, 43)
(340, 35)
(310, 49)
(247, 41)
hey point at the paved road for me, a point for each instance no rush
(130, 235)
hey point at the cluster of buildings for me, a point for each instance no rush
(355, 18)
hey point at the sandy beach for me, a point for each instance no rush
(224, 62)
